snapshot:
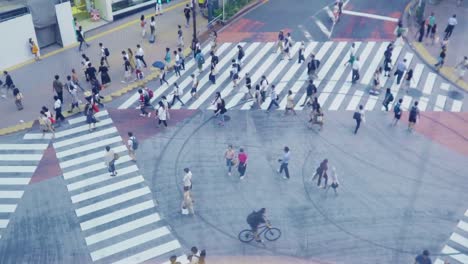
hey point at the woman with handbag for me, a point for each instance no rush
(187, 203)
(229, 155)
(18, 98)
(90, 118)
(46, 124)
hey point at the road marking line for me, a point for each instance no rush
(457, 106)
(112, 201)
(445, 86)
(7, 208)
(106, 189)
(368, 15)
(374, 64)
(440, 103)
(463, 225)
(371, 102)
(129, 243)
(463, 241)
(329, 13)
(23, 146)
(422, 105)
(455, 254)
(28, 157)
(115, 215)
(429, 84)
(83, 118)
(417, 72)
(306, 33)
(406, 102)
(11, 194)
(150, 253)
(89, 157)
(3, 223)
(353, 104)
(17, 169)
(99, 133)
(340, 97)
(322, 27)
(93, 145)
(67, 132)
(14, 181)
(93, 167)
(121, 229)
(100, 178)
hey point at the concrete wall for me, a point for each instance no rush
(65, 23)
(14, 47)
(105, 9)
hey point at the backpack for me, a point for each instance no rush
(316, 64)
(106, 52)
(396, 108)
(251, 218)
(391, 98)
(134, 143)
(150, 93)
(357, 116)
(200, 59)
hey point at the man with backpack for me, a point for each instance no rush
(104, 54)
(311, 90)
(388, 99)
(200, 61)
(312, 67)
(255, 219)
(132, 144)
(413, 116)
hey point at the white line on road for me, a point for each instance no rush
(323, 28)
(354, 13)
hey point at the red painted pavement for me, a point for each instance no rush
(48, 167)
(247, 30)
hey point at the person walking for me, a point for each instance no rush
(441, 59)
(104, 54)
(144, 102)
(110, 157)
(140, 55)
(74, 81)
(90, 118)
(131, 59)
(387, 66)
(321, 172)
(408, 79)
(162, 77)
(240, 56)
(193, 90)
(187, 15)
(173, 260)
(356, 67)
(58, 87)
(273, 97)
(334, 183)
(46, 124)
(220, 108)
(423, 258)
(433, 35)
(127, 71)
(359, 117)
(200, 61)
(242, 166)
(290, 104)
(104, 71)
(177, 63)
(279, 42)
(74, 98)
(91, 72)
(182, 58)
(8, 83)
(229, 155)
(285, 162)
(161, 114)
(143, 26)
(452, 22)
(400, 70)
(413, 116)
(430, 21)
(180, 37)
(158, 8)
(352, 55)
(397, 111)
(18, 98)
(311, 90)
(422, 28)
(301, 57)
(312, 67)
(187, 203)
(132, 144)
(176, 93)
(80, 38)
(387, 99)
(375, 90)
(34, 49)
(461, 68)
(258, 97)
(58, 108)
(187, 179)
(248, 85)
(152, 30)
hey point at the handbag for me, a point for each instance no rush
(184, 210)
(52, 120)
(95, 108)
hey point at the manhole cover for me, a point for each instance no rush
(456, 95)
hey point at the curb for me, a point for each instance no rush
(448, 73)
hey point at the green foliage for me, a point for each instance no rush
(231, 7)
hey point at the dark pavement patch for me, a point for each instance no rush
(48, 166)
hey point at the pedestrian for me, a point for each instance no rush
(441, 59)
(461, 68)
(152, 29)
(110, 157)
(84, 65)
(397, 111)
(213, 72)
(182, 58)
(400, 70)
(187, 203)
(286, 49)
(131, 59)
(359, 117)
(161, 114)
(408, 79)
(321, 172)
(176, 93)
(258, 96)
(91, 72)
(58, 108)
(421, 31)
(74, 81)
(158, 8)
(248, 85)
(177, 63)
(279, 42)
(234, 69)
(34, 49)
(334, 180)
(8, 83)
(229, 155)
(312, 67)
(284, 163)
(187, 15)
(452, 22)
(352, 55)
(74, 98)
(356, 67)
(168, 58)
(263, 87)
(143, 26)
(375, 90)
(80, 38)
(166, 106)
(162, 77)
(90, 118)
(430, 21)
(316, 117)
(104, 54)
(387, 99)
(242, 166)
(240, 56)
(193, 91)
(173, 260)
(399, 31)
(200, 61)
(413, 116)
(140, 54)
(433, 36)
(387, 66)
(58, 87)
(104, 71)
(180, 37)
(274, 98)
(132, 144)
(290, 104)
(423, 258)
(46, 124)
(144, 102)
(18, 98)
(301, 57)
(187, 179)
(213, 41)
(220, 108)
(127, 71)
(315, 104)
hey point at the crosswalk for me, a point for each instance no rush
(334, 79)
(117, 215)
(457, 245)
(18, 162)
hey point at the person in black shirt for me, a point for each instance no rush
(105, 79)
(311, 90)
(91, 71)
(80, 37)
(187, 15)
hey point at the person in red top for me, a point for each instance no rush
(242, 157)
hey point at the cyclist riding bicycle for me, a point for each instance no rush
(255, 219)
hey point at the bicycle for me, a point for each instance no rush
(269, 233)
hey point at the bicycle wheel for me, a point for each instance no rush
(246, 236)
(272, 234)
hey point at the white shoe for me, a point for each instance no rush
(142, 115)
(278, 171)
(149, 114)
(284, 177)
(229, 173)
(242, 177)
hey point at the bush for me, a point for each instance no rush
(231, 8)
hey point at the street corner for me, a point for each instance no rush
(449, 129)
(48, 166)
(129, 120)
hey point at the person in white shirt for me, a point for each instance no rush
(159, 9)
(193, 91)
(176, 94)
(452, 22)
(161, 114)
(334, 180)
(273, 97)
(139, 55)
(58, 109)
(103, 54)
(187, 179)
(356, 68)
(131, 144)
(359, 117)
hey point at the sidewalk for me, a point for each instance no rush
(457, 42)
(35, 79)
